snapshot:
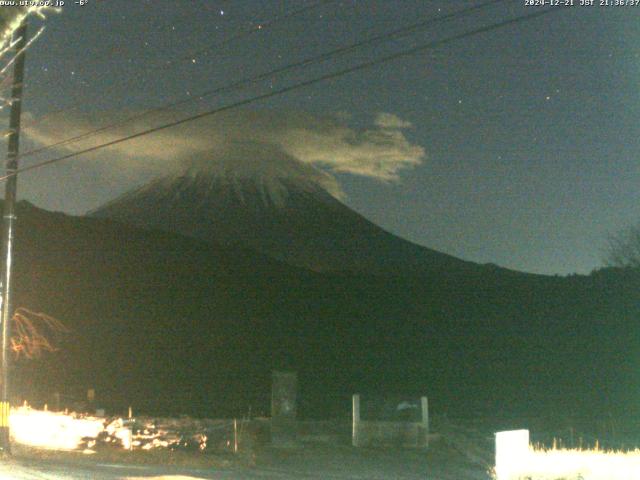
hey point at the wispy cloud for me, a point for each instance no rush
(391, 121)
(381, 151)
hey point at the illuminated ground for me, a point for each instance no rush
(311, 461)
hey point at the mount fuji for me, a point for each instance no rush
(175, 324)
(256, 196)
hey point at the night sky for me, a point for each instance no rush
(518, 146)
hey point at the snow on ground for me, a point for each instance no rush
(52, 430)
(165, 477)
(57, 437)
(309, 461)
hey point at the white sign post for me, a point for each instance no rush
(512, 453)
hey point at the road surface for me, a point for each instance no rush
(309, 463)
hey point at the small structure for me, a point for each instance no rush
(512, 452)
(392, 421)
(284, 409)
(516, 459)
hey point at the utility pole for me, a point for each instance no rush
(20, 40)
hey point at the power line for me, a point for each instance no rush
(242, 33)
(400, 32)
(330, 76)
(216, 45)
(283, 90)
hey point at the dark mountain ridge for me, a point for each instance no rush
(283, 210)
(174, 325)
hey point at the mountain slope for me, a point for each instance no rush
(269, 202)
(174, 325)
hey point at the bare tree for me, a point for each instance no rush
(33, 333)
(623, 248)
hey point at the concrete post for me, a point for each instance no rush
(512, 453)
(424, 403)
(284, 409)
(355, 429)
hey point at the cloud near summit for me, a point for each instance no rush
(381, 151)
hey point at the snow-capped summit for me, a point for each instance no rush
(258, 197)
(247, 168)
